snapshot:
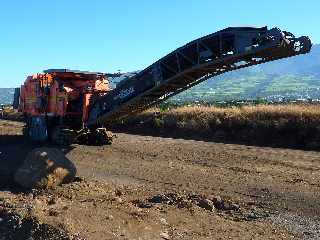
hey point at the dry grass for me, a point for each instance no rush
(10, 114)
(302, 114)
(291, 124)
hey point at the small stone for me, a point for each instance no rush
(118, 192)
(53, 213)
(118, 199)
(185, 204)
(165, 235)
(206, 204)
(52, 201)
(110, 217)
(163, 221)
(143, 204)
(234, 207)
(252, 215)
(161, 198)
(228, 205)
(218, 202)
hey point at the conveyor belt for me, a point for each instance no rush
(199, 60)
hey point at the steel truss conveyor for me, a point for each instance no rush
(199, 60)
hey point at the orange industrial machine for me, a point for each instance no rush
(69, 105)
(56, 104)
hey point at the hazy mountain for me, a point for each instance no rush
(6, 95)
(302, 64)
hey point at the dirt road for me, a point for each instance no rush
(144, 187)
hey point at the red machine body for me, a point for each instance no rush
(59, 99)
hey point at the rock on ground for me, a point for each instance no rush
(45, 168)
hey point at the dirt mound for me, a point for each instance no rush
(216, 204)
(45, 168)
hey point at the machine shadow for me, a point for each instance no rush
(13, 151)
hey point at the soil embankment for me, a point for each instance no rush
(289, 125)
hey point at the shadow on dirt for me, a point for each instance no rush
(13, 226)
(13, 151)
(260, 139)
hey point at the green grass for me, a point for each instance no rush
(255, 85)
(293, 83)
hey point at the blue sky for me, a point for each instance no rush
(102, 35)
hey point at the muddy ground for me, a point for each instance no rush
(144, 187)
